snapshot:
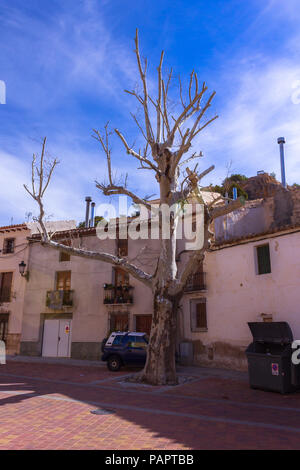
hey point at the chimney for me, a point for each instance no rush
(281, 141)
(88, 200)
(92, 222)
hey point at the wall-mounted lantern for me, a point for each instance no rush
(22, 267)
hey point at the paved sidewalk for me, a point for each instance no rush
(49, 406)
(55, 360)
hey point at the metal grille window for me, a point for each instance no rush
(5, 286)
(198, 315)
(119, 322)
(263, 259)
(9, 246)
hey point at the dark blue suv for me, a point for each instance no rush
(122, 349)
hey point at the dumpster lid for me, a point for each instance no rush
(271, 332)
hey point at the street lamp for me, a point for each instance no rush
(22, 267)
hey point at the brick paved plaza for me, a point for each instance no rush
(48, 406)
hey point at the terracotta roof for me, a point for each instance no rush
(7, 228)
(63, 233)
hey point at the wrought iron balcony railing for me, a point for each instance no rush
(57, 299)
(117, 294)
(196, 282)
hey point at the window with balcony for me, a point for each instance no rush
(62, 296)
(121, 277)
(196, 281)
(63, 280)
(5, 286)
(120, 292)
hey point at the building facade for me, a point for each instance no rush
(251, 273)
(14, 250)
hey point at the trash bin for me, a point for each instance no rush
(270, 358)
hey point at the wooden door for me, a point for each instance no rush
(143, 323)
(5, 286)
(121, 277)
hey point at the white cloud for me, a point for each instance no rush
(258, 109)
(63, 60)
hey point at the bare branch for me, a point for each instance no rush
(158, 109)
(112, 190)
(144, 102)
(193, 157)
(135, 154)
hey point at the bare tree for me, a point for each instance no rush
(168, 138)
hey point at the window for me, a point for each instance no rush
(65, 256)
(5, 286)
(263, 259)
(137, 342)
(198, 315)
(119, 340)
(119, 322)
(122, 247)
(63, 280)
(8, 246)
(121, 277)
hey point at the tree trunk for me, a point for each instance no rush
(160, 367)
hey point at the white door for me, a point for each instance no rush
(64, 341)
(57, 338)
(50, 340)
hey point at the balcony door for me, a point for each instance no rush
(63, 280)
(57, 338)
(121, 277)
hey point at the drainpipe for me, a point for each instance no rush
(88, 200)
(92, 223)
(281, 141)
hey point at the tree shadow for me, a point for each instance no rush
(170, 418)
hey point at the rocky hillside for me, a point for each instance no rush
(260, 186)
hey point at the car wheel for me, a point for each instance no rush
(114, 363)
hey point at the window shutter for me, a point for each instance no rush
(201, 321)
(198, 314)
(5, 287)
(263, 259)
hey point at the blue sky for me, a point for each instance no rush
(66, 64)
